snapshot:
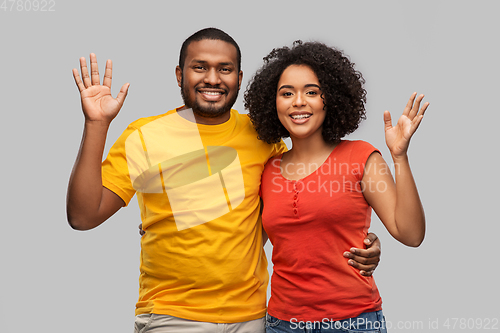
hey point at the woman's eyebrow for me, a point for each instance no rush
(312, 85)
(287, 86)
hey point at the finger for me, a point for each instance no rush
(415, 124)
(78, 80)
(418, 119)
(409, 105)
(94, 70)
(373, 251)
(416, 106)
(108, 74)
(85, 73)
(123, 93)
(387, 120)
(365, 273)
(370, 238)
(424, 108)
(378, 245)
(362, 259)
(366, 269)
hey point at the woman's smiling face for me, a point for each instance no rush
(299, 103)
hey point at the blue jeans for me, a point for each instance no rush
(368, 322)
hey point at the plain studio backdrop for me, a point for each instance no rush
(57, 279)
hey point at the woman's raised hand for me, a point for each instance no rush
(97, 102)
(398, 137)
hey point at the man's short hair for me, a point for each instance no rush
(208, 33)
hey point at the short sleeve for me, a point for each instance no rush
(360, 152)
(279, 148)
(115, 171)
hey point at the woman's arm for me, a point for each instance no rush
(397, 203)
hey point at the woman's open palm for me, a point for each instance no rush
(398, 137)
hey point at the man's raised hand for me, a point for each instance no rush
(97, 102)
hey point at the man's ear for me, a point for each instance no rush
(240, 79)
(178, 74)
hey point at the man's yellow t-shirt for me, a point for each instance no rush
(198, 191)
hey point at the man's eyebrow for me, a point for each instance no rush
(228, 63)
(287, 86)
(199, 61)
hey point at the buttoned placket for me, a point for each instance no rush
(295, 205)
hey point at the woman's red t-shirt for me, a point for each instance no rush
(311, 222)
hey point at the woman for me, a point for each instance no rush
(312, 94)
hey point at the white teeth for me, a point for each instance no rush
(212, 93)
(301, 116)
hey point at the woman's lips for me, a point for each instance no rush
(300, 117)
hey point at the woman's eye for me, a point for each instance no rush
(287, 94)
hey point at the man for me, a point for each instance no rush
(196, 171)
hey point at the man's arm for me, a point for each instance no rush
(366, 260)
(88, 203)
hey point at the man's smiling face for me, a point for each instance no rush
(210, 79)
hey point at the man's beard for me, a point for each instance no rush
(210, 111)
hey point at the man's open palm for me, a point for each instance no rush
(97, 102)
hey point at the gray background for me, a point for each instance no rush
(60, 280)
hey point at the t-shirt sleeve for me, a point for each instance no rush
(279, 148)
(267, 166)
(115, 170)
(361, 150)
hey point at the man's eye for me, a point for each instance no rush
(199, 68)
(225, 70)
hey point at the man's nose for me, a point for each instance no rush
(212, 77)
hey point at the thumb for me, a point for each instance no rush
(123, 93)
(387, 120)
(370, 238)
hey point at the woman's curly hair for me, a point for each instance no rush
(341, 85)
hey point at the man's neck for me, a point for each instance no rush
(195, 118)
